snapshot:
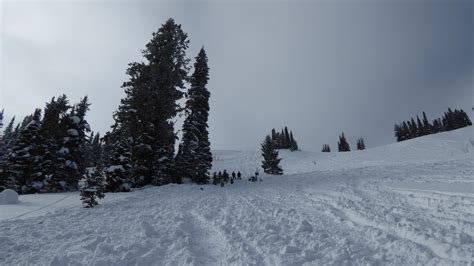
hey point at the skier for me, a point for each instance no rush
(239, 175)
(233, 175)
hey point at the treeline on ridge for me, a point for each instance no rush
(412, 128)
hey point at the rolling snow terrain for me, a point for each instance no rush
(406, 203)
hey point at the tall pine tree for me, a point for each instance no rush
(194, 158)
(151, 102)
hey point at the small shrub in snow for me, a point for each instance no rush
(92, 188)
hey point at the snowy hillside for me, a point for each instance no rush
(405, 203)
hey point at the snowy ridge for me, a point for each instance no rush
(405, 203)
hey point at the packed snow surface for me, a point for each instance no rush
(405, 203)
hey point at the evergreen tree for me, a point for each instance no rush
(287, 142)
(326, 148)
(421, 130)
(53, 133)
(274, 135)
(465, 121)
(23, 158)
(70, 162)
(342, 144)
(92, 188)
(6, 141)
(437, 126)
(426, 125)
(398, 132)
(194, 158)
(151, 102)
(95, 151)
(270, 163)
(118, 171)
(360, 144)
(293, 143)
(413, 128)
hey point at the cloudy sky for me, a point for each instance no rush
(319, 67)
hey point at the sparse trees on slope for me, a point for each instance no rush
(194, 158)
(342, 144)
(270, 163)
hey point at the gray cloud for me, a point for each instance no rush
(318, 67)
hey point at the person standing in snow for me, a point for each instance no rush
(239, 175)
(233, 175)
(225, 175)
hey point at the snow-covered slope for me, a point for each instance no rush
(405, 203)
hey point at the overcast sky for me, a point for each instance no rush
(319, 67)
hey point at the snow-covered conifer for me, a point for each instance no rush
(194, 159)
(270, 163)
(342, 144)
(360, 144)
(151, 102)
(24, 156)
(118, 171)
(92, 188)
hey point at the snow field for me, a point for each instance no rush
(401, 204)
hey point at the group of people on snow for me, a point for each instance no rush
(224, 177)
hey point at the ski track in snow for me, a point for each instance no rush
(376, 209)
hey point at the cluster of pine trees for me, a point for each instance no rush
(284, 140)
(326, 148)
(45, 153)
(360, 144)
(139, 150)
(342, 144)
(54, 152)
(451, 120)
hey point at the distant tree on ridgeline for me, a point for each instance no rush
(360, 144)
(342, 144)
(326, 148)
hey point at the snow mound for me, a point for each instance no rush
(8, 196)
